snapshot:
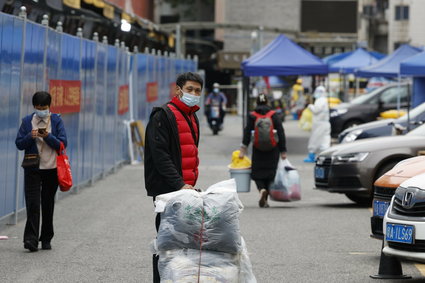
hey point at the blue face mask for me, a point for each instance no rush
(216, 90)
(190, 99)
(42, 113)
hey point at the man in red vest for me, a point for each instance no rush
(171, 144)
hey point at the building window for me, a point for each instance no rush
(368, 10)
(398, 44)
(401, 13)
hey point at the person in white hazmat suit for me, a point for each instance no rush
(320, 138)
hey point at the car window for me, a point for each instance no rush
(370, 97)
(418, 111)
(391, 95)
(419, 131)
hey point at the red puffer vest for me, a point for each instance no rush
(188, 137)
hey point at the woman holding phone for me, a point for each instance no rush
(40, 135)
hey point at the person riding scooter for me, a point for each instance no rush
(215, 108)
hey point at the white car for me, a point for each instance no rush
(404, 221)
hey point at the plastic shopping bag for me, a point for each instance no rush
(306, 120)
(286, 185)
(64, 169)
(239, 163)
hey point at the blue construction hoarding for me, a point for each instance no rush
(95, 87)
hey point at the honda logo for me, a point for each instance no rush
(407, 201)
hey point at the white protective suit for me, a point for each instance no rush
(320, 138)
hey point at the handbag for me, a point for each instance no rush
(31, 161)
(64, 169)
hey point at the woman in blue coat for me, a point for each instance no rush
(40, 133)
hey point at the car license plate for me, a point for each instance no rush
(380, 207)
(319, 172)
(399, 233)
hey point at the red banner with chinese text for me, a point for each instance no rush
(66, 96)
(123, 100)
(151, 91)
(173, 90)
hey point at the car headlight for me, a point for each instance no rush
(351, 136)
(338, 112)
(351, 157)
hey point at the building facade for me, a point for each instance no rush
(321, 26)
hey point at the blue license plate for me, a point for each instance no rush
(399, 233)
(380, 207)
(319, 172)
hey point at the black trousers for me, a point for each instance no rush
(40, 188)
(155, 258)
(263, 183)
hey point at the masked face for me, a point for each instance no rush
(190, 93)
(42, 111)
(216, 90)
(190, 99)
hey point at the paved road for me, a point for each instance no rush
(103, 232)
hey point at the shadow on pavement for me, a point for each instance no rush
(343, 205)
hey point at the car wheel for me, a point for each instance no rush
(350, 124)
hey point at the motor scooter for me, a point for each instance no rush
(215, 119)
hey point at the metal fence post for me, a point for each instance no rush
(80, 115)
(94, 116)
(146, 81)
(45, 23)
(23, 16)
(117, 45)
(105, 87)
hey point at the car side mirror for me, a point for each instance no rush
(380, 104)
(398, 129)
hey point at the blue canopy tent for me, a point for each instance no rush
(415, 67)
(332, 59)
(281, 57)
(390, 65)
(358, 59)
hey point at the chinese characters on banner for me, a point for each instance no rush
(173, 89)
(123, 100)
(66, 96)
(151, 91)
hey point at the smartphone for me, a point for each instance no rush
(41, 130)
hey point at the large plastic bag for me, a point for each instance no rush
(286, 185)
(191, 219)
(239, 163)
(306, 120)
(185, 265)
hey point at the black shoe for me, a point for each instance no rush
(46, 246)
(30, 246)
(263, 199)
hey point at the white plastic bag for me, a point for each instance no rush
(286, 185)
(190, 219)
(184, 266)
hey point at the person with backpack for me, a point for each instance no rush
(269, 144)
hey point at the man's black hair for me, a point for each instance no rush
(189, 76)
(41, 98)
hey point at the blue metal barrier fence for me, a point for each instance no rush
(95, 87)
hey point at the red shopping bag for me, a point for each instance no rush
(64, 169)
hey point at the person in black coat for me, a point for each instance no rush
(167, 143)
(264, 163)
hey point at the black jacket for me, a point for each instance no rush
(163, 162)
(264, 163)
